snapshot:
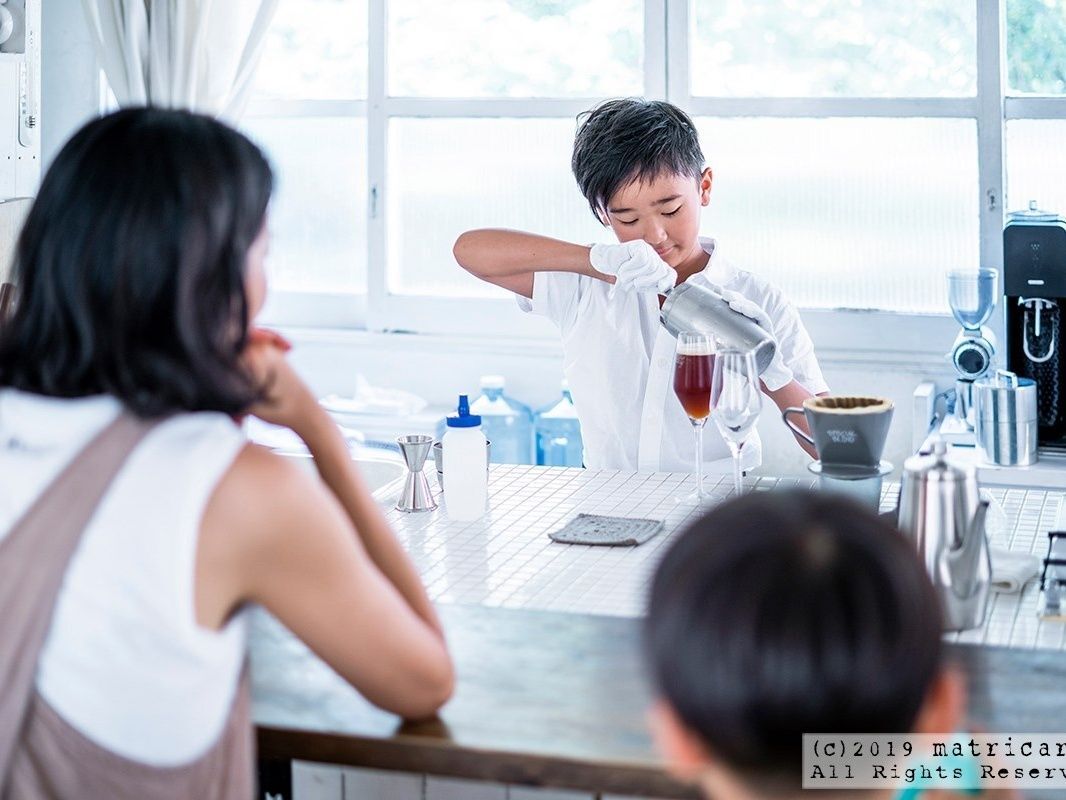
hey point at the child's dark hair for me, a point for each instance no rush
(629, 139)
(788, 613)
(130, 267)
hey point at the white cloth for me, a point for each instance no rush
(194, 54)
(619, 362)
(1011, 570)
(125, 661)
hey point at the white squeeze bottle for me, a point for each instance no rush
(466, 482)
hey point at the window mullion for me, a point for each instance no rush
(1035, 107)
(377, 153)
(893, 107)
(677, 60)
(991, 82)
(655, 49)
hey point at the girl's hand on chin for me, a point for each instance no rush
(288, 400)
(267, 336)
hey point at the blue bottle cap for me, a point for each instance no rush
(464, 419)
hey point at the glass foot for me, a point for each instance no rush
(694, 498)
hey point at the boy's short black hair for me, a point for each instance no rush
(130, 267)
(788, 613)
(629, 139)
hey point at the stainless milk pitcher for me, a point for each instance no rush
(942, 513)
(692, 307)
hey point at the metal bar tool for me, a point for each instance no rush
(416, 494)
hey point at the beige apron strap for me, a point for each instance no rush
(34, 558)
(660, 370)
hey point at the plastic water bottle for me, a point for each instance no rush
(558, 434)
(508, 424)
(463, 450)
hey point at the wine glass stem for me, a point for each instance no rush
(738, 485)
(697, 424)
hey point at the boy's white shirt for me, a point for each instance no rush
(619, 362)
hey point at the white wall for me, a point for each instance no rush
(70, 86)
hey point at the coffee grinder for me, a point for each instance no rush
(1034, 283)
(972, 296)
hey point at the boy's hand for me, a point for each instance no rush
(635, 265)
(777, 374)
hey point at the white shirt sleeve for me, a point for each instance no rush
(797, 348)
(556, 295)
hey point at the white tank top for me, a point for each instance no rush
(125, 661)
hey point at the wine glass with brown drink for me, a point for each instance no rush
(693, 374)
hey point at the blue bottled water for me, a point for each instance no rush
(507, 423)
(558, 434)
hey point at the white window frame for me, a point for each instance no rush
(438, 315)
(666, 68)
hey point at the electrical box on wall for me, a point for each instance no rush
(20, 97)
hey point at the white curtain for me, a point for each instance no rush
(195, 54)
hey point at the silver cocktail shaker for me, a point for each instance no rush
(692, 307)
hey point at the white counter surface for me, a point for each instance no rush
(507, 560)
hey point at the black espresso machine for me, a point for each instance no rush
(1034, 282)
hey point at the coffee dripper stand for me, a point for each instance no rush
(972, 298)
(415, 495)
(863, 485)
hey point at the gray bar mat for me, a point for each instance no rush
(611, 531)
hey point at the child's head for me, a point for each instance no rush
(639, 164)
(788, 613)
(140, 266)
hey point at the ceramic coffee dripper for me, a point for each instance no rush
(848, 432)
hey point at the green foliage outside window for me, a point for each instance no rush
(1036, 46)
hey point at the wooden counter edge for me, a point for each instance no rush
(419, 754)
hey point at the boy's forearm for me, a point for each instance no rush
(497, 253)
(791, 395)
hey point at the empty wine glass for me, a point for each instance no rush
(693, 368)
(736, 400)
(972, 296)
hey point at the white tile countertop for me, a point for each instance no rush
(507, 560)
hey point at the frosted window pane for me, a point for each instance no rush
(1036, 46)
(858, 213)
(515, 48)
(834, 48)
(318, 214)
(314, 50)
(1036, 164)
(450, 175)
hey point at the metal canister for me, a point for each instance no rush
(1005, 422)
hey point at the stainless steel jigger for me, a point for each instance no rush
(416, 495)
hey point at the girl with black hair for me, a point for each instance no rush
(129, 354)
